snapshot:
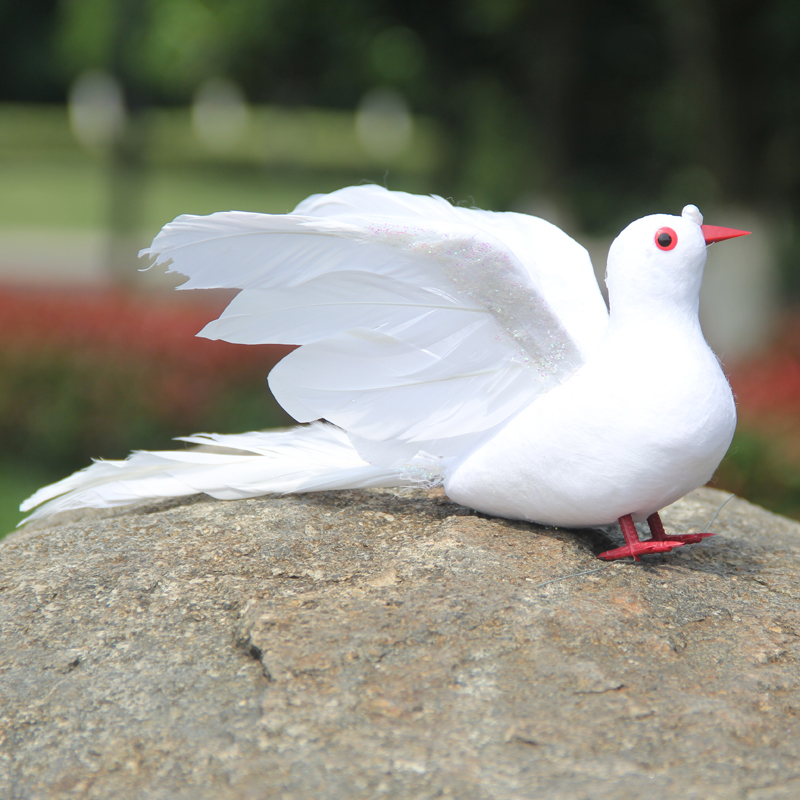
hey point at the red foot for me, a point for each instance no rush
(639, 549)
(660, 543)
(659, 535)
(684, 538)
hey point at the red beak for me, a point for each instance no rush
(713, 233)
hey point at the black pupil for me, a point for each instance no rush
(664, 239)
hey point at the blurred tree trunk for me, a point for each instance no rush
(709, 119)
(127, 162)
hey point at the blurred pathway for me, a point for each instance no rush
(53, 257)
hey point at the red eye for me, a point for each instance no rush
(666, 239)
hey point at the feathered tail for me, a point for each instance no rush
(311, 458)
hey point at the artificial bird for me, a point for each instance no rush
(441, 345)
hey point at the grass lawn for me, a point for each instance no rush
(48, 181)
(17, 483)
(73, 195)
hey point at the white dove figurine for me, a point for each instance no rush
(451, 346)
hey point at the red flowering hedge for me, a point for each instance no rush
(767, 388)
(763, 463)
(88, 373)
(93, 373)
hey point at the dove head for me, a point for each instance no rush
(656, 266)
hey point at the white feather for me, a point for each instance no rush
(327, 305)
(306, 459)
(557, 265)
(420, 322)
(423, 328)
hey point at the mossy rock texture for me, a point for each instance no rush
(378, 644)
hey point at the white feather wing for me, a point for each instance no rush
(559, 268)
(420, 322)
(230, 467)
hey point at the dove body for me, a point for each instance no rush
(644, 421)
(443, 345)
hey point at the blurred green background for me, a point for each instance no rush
(118, 115)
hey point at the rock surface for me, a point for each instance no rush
(366, 644)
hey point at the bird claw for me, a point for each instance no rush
(637, 549)
(658, 543)
(684, 538)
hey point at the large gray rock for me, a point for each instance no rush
(365, 644)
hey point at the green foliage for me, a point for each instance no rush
(187, 41)
(19, 481)
(86, 35)
(757, 468)
(397, 54)
(169, 46)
